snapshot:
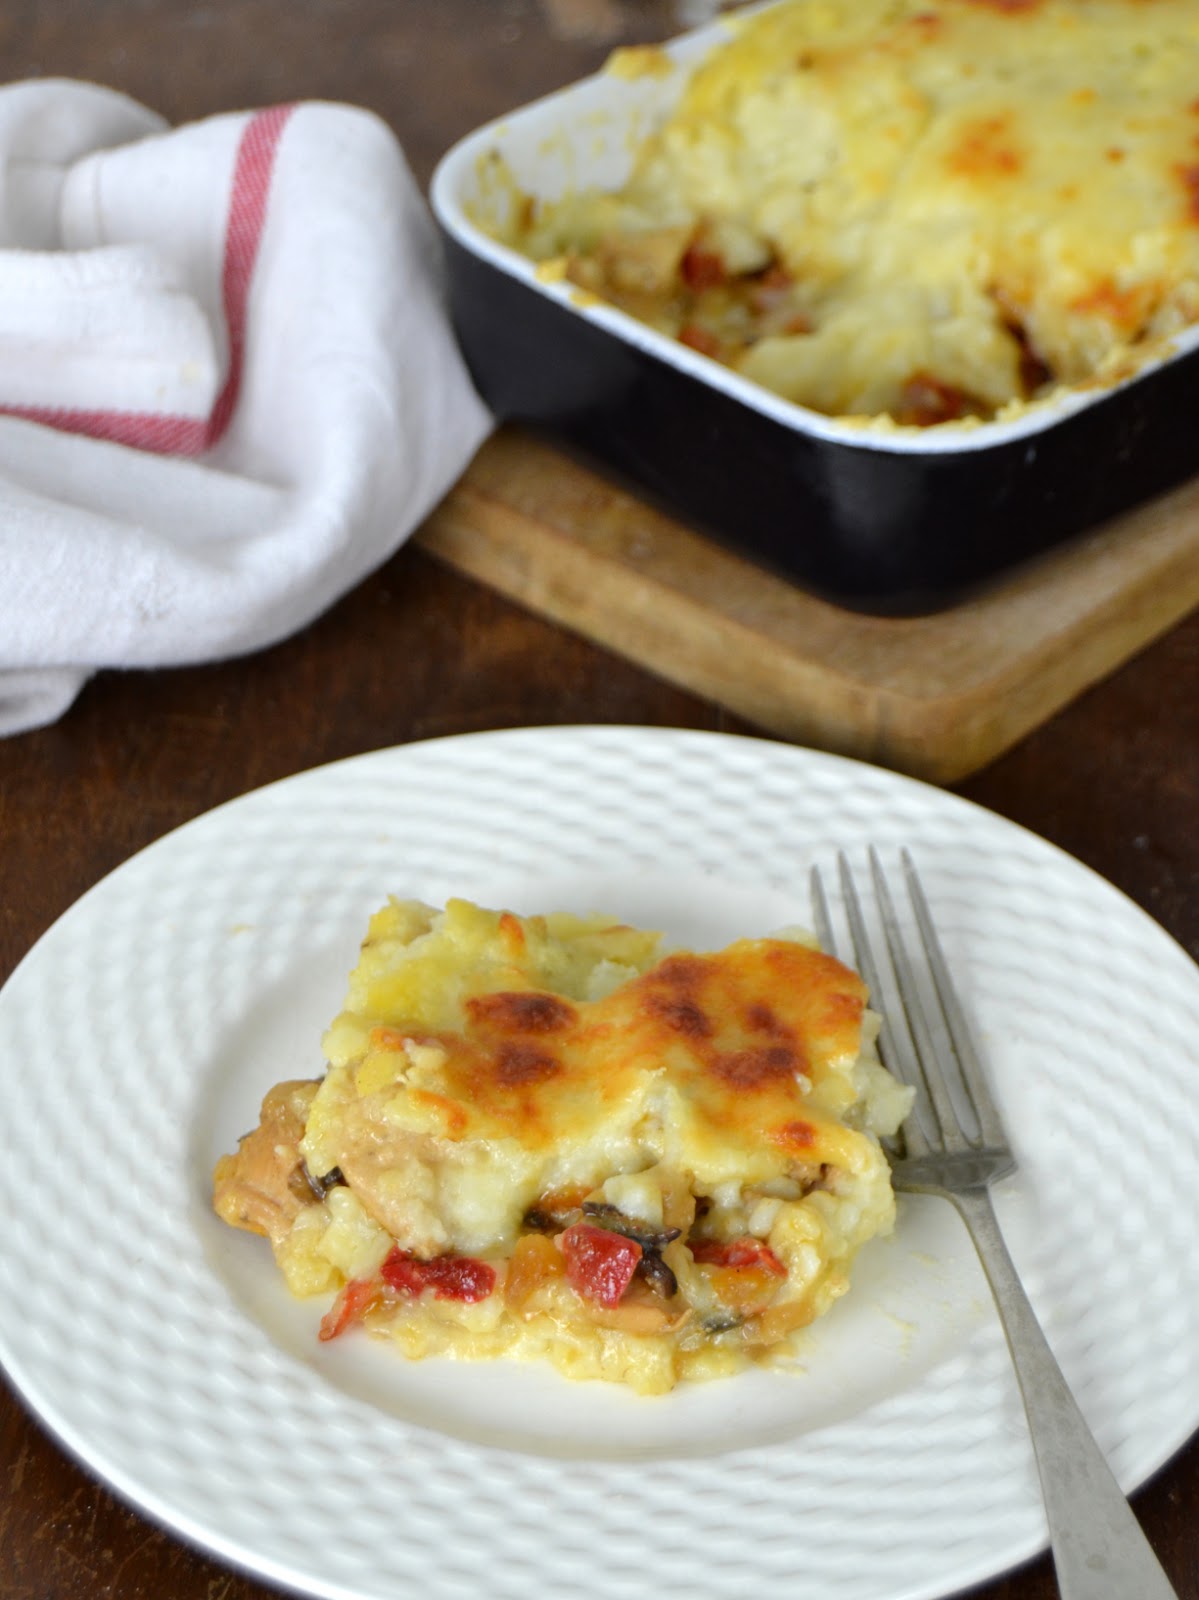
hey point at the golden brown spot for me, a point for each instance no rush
(521, 1011)
(520, 1064)
(1125, 307)
(986, 149)
(797, 1135)
(512, 933)
(680, 972)
(672, 997)
(753, 1069)
(452, 1113)
(761, 1019)
(680, 1015)
(1009, 7)
(841, 1011)
(1114, 154)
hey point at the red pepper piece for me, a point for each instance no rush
(744, 1252)
(703, 269)
(350, 1307)
(459, 1278)
(599, 1264)
(697, 338)
(402, 1271)
(926, 400)
(450, 1277)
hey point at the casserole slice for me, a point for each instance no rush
(538, 1137)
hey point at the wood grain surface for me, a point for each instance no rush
(937, 697)
(420, 650)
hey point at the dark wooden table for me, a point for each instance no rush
(1114, 779)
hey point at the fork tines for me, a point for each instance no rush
(923, 1039)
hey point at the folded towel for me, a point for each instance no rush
(228, 385)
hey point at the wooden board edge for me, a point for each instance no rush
(695, 646)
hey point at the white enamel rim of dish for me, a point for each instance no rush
(139, 1033)
(574, 114)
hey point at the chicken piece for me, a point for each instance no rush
(262, 1188)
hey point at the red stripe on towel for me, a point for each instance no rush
(243, 233)
(191, 436)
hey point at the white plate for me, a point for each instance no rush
(139, 1034)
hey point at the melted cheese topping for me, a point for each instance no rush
(495, 1082)
(925, 209)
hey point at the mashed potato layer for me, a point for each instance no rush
(926, 210)
(540, 1137)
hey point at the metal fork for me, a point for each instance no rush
(1099, 1551)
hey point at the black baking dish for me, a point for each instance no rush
(901, 522)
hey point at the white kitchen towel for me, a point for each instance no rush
(228, 384)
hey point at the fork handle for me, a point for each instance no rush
(1099, 1550)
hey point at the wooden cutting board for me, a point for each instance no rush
(937, 697)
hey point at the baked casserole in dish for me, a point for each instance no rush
(890, 295)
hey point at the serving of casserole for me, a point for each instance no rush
(890, 295)
(541, 1138)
